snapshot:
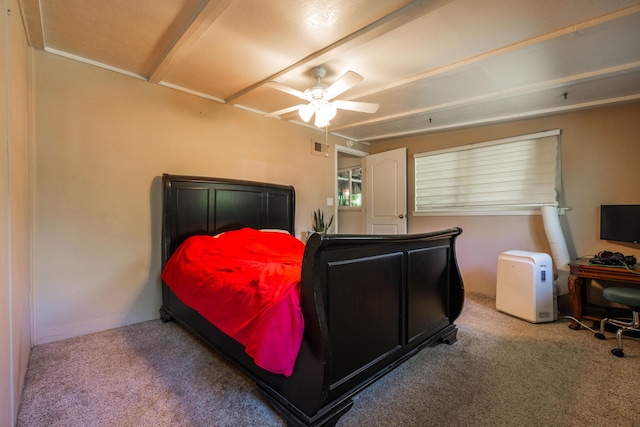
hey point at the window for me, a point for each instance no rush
(513, 175)
(350, 187)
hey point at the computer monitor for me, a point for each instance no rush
(620, 223)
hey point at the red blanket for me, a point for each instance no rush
(246, 283)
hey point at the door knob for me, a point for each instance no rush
(401, 216)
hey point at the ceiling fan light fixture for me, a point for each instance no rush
(305, 112)
(320, 122)
(324, 113)
(331, 111)
(320, 98)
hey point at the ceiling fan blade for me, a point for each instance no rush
(286, 89)
(362, 107)
(284, 111)
(346, 81)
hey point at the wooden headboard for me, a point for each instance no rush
(199, 205)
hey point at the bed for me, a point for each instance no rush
(368, 302)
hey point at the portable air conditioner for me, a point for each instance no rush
(525, 287)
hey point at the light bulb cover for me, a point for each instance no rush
(321, 121)
(324, 113)
(330, 110)
(305, 112)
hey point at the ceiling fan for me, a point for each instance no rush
(319, 98)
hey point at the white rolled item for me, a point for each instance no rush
(559, 251)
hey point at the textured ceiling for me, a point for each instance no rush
(430, 65)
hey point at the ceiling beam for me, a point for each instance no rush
(203, 17)
(387, 23)
(571, 29)
(503, 94)
(32, 21)
(507, 117)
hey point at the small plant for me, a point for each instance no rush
(318, 222)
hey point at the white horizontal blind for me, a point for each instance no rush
(514, 173)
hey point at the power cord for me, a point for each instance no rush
(579, 323)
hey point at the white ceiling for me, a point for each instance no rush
(431, 65)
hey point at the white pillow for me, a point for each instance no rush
(275, 230)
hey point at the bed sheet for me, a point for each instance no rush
(247, 283)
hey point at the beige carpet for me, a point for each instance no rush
(502, 372)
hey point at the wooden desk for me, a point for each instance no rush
(580, 270)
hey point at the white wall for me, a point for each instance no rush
(15, 329)
(102, 142)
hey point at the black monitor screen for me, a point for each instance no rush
(620, 223)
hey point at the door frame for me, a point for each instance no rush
(347, 150)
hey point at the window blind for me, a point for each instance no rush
(513, 173)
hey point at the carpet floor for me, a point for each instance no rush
(502, 371)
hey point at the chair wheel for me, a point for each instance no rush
(617, 352)
(599, 336)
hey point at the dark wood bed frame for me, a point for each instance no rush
(369, 302)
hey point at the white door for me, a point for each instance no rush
(386, 192)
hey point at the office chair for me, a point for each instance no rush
(629, 297)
